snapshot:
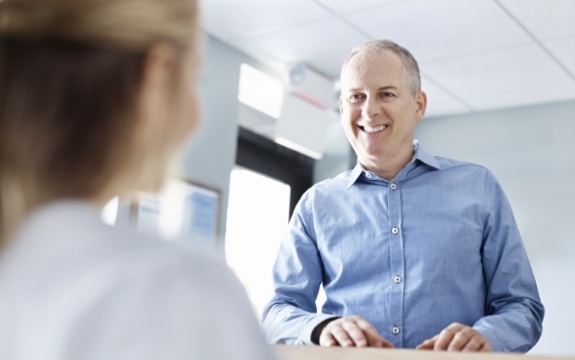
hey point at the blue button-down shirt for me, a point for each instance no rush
(438, 244)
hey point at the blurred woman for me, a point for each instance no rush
(96, 96)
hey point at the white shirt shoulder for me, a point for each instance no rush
(72, 287)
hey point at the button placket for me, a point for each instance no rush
(397, 265)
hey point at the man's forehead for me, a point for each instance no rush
(368, 59)
(381, 68)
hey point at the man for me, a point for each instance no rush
(413, 251)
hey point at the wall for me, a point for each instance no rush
(338, 155)
(210, 154)
(532, 153)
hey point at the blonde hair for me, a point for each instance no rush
(70, 72)
(128, 24)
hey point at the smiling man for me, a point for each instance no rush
(413, 250)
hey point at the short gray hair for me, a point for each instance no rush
(412, 77)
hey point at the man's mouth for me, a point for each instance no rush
(373, 129)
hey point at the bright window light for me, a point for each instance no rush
(110, 212)
(258, 212)
(260, 91)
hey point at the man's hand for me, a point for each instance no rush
(457, 337)
(352, 331)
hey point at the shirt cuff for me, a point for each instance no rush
(307, 331)
(496, 344)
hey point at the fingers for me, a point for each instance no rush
(345, 332)
(352, 331)
(428, 344)
(457, 337)
(371, 335)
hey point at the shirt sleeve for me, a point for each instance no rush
(291, 316)
(514, 312)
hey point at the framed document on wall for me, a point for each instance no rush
(184, 210)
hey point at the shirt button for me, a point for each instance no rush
(393, 186)
(397, 279)
(394, 231)
(368, 175)
(395, 330)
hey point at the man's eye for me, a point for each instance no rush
(355, 97)
(387, 94)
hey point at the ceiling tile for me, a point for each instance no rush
(228, 19)
(513, 77)
(440, 103)
(442, 28)
(322, 45)
(544, 19)
(348, 7)
(564, 50)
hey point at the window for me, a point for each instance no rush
(257, 218)
(265, 186)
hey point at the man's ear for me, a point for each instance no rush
(421, 103)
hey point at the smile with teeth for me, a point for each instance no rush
(373, 129)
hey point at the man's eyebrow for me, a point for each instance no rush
(382, 88)
(354, 90)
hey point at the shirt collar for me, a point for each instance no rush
(419, 154)
(424, 156)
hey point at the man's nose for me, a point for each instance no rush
(371, 108)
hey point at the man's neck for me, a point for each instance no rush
(388, 167)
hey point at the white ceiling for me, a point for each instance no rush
(474, 55)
